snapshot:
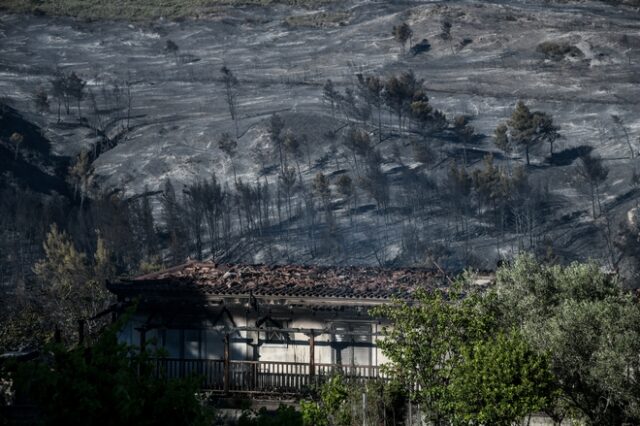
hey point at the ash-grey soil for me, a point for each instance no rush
(179, 108)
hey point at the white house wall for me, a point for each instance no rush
(205, 340)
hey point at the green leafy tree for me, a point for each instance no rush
(70, 289)
(500, 381)
(425, 343)
(339, 402)
(331, 409)
(589, 327)
(526, 129)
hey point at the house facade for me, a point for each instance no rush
(265, 329)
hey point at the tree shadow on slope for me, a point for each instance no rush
(30, 162)
(11, 121)
(566, 157)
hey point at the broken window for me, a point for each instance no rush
(351, 344)
(273, 335)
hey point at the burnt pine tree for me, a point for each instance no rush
(194, 199)
(59, 91)
(591, 171)
(75, 89)
(371, 89)
(213, 211)
(231, 94)
(401, 91)
(173, 217)
(527, 129)
(172, 48)
(402, 33)
(16, 140)
(229, 146)
(375, 182)
(322, 189)
(522, 128)
(445, 33)
(276, 126)
(545, 129)
(287, 181)
(501, 139)
(291, 145)
(358, 142)
(330, 96)
(41, 100)
(148, 227)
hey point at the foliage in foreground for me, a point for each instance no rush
(70, 288)
(106, 384)
(340, 402)
(589, 327)
(560, 339)
(285, 415)
(500, 380)
(466, 369)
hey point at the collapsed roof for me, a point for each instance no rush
(282, 281)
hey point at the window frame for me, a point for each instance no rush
(351, 326)
(274, 323)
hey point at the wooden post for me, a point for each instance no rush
(312, 356)
(80, 332)
(226, 363)
(364, 409)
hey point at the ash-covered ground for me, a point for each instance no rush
(282, 58)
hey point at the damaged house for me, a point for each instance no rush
(265, 329)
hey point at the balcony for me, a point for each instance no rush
(261, 377)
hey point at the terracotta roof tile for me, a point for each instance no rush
(284, 281)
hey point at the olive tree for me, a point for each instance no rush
(589, 327)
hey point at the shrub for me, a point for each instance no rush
(557, 51)
(285, 415)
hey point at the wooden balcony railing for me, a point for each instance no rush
(261, 376)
